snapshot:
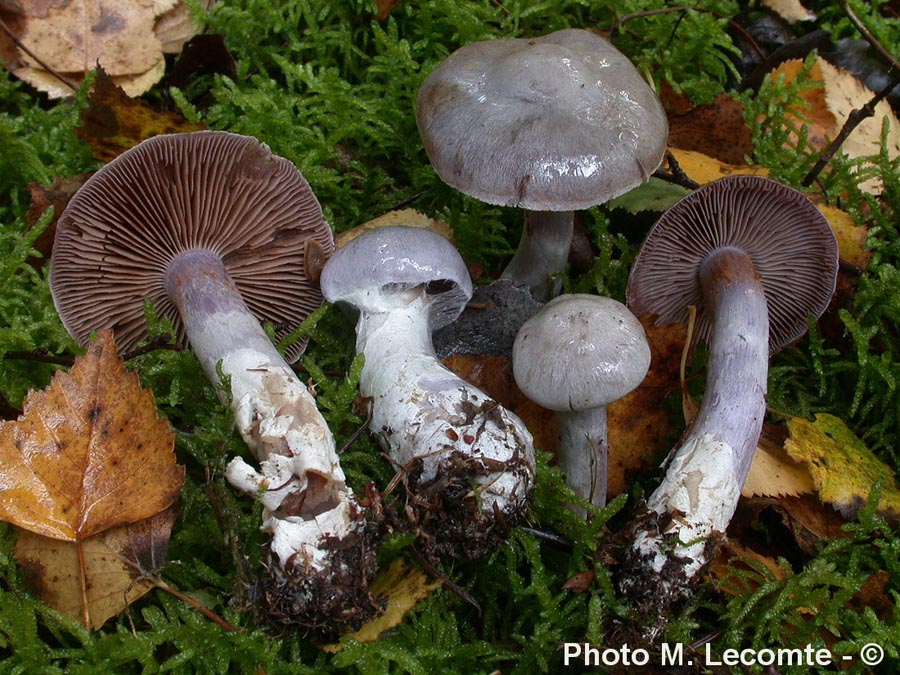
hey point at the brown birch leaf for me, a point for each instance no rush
(88, 453)
(110, 575)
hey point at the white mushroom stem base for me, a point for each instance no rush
(467, 463)
(318, 528)
(700, 491)
(543, 251)
(583, 452)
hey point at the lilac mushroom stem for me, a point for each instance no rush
(543, 251)
(706, 474)
(300, 481)
(584, 452)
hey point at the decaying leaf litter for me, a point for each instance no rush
(843, 369)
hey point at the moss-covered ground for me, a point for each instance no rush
(331, 87)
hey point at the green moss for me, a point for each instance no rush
(332, 88)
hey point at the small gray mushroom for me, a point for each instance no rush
(467, 463)
(551, 124)
(577, 355)
(757, 259)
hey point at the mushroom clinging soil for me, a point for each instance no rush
(756, 259)
(220, 234)
(467, 463)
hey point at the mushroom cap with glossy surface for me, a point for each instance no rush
(580, 352)
(555, 123)
(207, 190)
(790, 244)
(397, 258)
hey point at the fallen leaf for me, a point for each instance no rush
(404, 587)
(88, 453)
(639, 422)
(580, 582)
(405, 217)
(717, 129)
(733, 559)
(789, 10)
(705, 169)
(111, 573)
(828, 107)
(652, 195)
(113, 122)
(69, 39)
(774, 473)
(843, 469)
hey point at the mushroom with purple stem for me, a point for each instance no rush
(219, 234)
(757, 259)
(577, 355)
(467, 462)
(550, 124)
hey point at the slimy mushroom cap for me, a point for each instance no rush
(554, 123)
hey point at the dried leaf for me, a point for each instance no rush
(113, 122)
(580, 582)
(88, 453)
(71, 38)
(827, 109)
(405, 217)
(734, 556)
(111, 574)
(843, 468)
(705, 169)
(789, 10)
(639, 422)
(404, 587)
(774, 474)
(717, 129)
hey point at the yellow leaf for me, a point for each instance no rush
(109, 575)
(404, 587)
(88, 453)
(705, 169)
(774, 474)
(842, 467)
(404, 217)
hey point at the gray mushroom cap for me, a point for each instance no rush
(555, 123)
(580, 352)
(399, 258)
(208, 190)
(789, 242)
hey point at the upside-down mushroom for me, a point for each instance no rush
(220, 235)
(757, 259)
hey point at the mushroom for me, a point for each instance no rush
(551, 124)
(757, 259)
(467, 463)
(577, 355)
(219, 234)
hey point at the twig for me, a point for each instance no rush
(59, 76)
(620, 21)
(853, 120)
(870, 38)
(676, 174)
